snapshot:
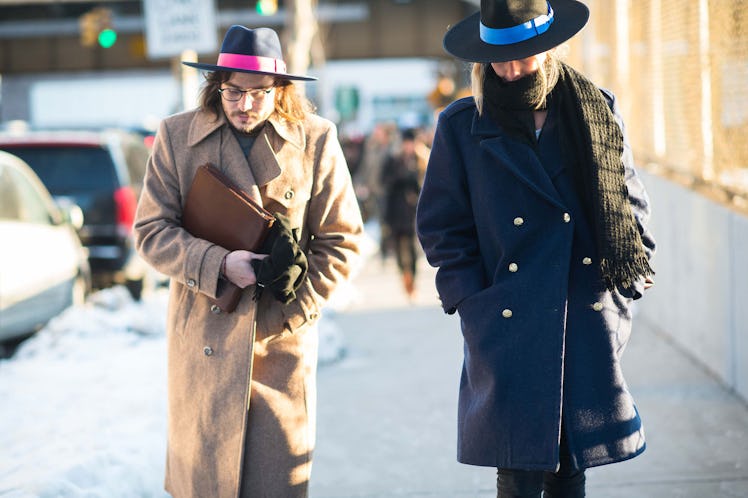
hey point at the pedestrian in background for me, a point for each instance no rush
(533, 213)
(401, 181)
(377, 147)
(241, 385)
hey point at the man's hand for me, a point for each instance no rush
(238, 270)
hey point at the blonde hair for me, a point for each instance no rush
(548, 72)
(477, 75)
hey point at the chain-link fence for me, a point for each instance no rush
(680, 70)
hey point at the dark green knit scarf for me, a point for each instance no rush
(590, 129)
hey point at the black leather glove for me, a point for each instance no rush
(285, 267)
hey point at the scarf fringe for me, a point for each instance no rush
(625, 276)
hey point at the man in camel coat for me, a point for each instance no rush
(241, 385)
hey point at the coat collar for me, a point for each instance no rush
(263, 158)
(516, 156)
(205, 124)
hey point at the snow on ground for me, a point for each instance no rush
(83, 402)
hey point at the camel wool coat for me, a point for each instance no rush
(216, 447)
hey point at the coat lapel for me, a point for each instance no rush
(517, 157)
(279, 143)
(262, 160)
(264, 156)
(228, 154)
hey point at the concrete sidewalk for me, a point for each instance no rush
(387, 410)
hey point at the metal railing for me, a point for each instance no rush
(680, 71)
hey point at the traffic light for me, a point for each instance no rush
(96, 27)
(266, 7)
(107, 37)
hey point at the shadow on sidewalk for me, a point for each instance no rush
(387, 410)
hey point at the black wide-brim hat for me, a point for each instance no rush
(506, 30)
(256, 51)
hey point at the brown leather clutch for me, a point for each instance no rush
(218, 211)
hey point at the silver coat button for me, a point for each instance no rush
(587, 261)
(208, 350)
(513, 267)
(507, 313)
(567, 217)
(191, 283)
(215, 309)
(597, 306)
(518, 221)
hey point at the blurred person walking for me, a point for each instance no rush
(401, 181)
(241, 385)
(533, 213)
(368, 181)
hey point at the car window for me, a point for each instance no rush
(67, 169)
(20, 200)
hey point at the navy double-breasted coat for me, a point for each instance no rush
(517, 260)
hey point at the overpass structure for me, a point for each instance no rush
(50, 62)
(42, 36)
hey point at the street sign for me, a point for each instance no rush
(172, 26)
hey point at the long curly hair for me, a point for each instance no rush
(289, 104)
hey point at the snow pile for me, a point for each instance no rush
(83, 402)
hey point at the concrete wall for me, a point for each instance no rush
(700, 296)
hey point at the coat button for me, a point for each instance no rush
(507, 313)
(215, 309)
(289, 195)
(191, 283)
(567, 217)
(513, 267)
(518, 221)
(587, 261)
(208, 351)
(597, 306)
(313, 316)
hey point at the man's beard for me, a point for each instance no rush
(252, 127)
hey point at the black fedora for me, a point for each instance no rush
(248, 50)
(505, 30)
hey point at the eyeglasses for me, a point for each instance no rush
(234, 94)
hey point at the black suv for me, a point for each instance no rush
(102, 172)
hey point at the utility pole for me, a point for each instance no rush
(301, 31)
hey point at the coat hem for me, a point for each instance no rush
(552, 467)
(607, 461)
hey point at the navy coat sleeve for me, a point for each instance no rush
(445, 202)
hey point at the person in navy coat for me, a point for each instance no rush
(536, 220)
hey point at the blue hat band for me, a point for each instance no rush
(519, 33)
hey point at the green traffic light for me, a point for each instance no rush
(107, 38)
(266, 7)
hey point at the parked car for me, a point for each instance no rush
(102, 172)
(43, 265)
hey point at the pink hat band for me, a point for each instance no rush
(252, 63)
(251, 51)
